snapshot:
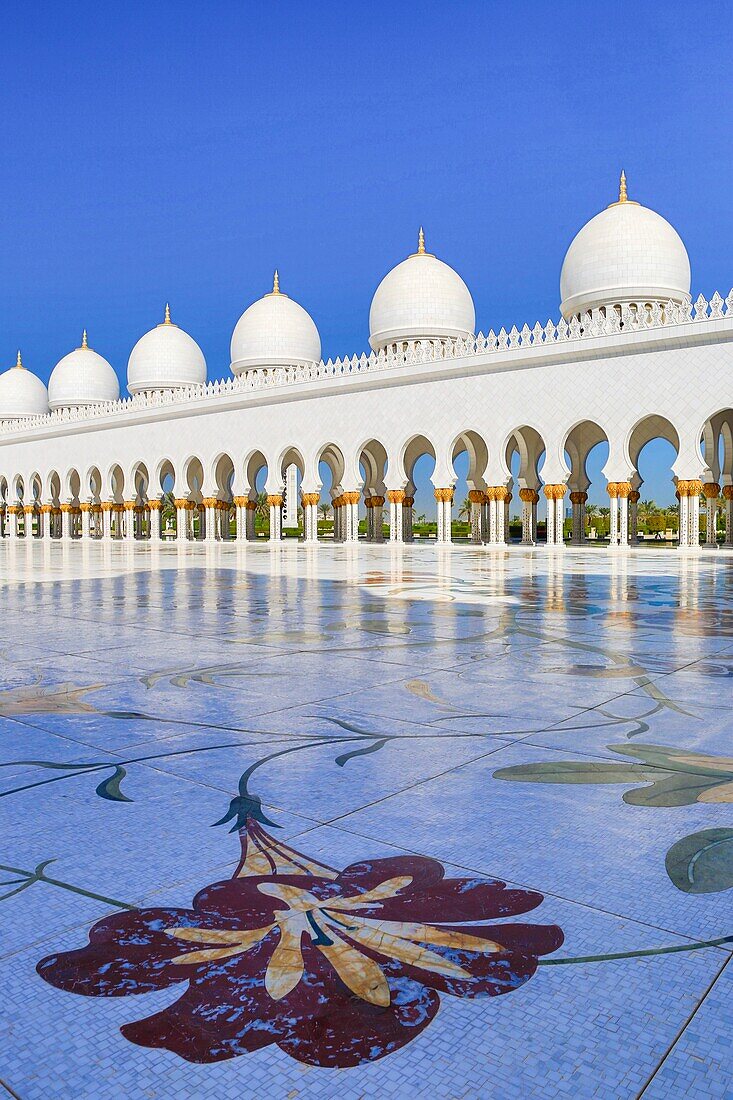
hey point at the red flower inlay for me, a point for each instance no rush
(335, 968)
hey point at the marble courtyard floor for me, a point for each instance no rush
(456, 823)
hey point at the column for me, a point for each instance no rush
(377, 520)
(624, 489)
(55, 522)
(506, 515)
(350, 505)
(476, 497)
(129, 513)
(503, 496)
(86, 519)
(249, 520)
(310, 502)
(728, 498)
(529, 499)
(578, 499)
(444, 501)
(181, 504)
(693, 514)
(28, 510)
(42, 520)
(712, 492)
(613, 503)
(549, 491)
(634, 497)
(66, 510)
(156, 526)
(240, 504)
(107, 507)
(683, 534)
(275, 504)
(209, 506)
(395, 498)
(408, 514)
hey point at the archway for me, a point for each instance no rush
(523, 453)
(373, 467)
(419, 508)
(586, 453)
(652, 450)
(469, 458)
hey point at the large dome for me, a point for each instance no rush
(165, 358)
(421, 299)
(626, 254)
(21, 394)
(82, 378)
(274, 332)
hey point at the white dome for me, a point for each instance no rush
(21, 394)
(164, 359)
(626, 254)
(274, 332)
(421, 299)
(82, 378)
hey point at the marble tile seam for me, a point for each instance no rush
(678, 1037)
(545, 891)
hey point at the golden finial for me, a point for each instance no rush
(421, 242)
(19, 361)
(276, 283)
(622, 196)
(84, 343)
(167, 317)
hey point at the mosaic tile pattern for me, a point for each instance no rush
(380, 740)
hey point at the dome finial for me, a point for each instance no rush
(276, 283)
(167, 317)
(421, 242)
(622, 196)
(19, 361)
(84, 343)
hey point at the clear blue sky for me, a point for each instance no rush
(182, 151)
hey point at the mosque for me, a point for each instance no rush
(631, 359)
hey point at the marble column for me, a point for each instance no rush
(208, 510)
(310, 502)
(395, 498)
(129, 510)
(530, 499)
(476, 497)
(728, 498)
(624, 489)
(86, 519)
(712, 492)
(578, 500)
(549, 491)
(66, 510)
(444, 502)
(28, 510)
(275, 504)
(182, 512)
(613, 522)
(693, 514)
(249, 520)
(107, 507)
(156, 526)
(634, 497)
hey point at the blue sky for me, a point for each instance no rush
(182, 151)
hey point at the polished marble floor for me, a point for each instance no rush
(456, 823)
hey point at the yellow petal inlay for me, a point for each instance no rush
(285, 968)
(360, 974)
(406, 951)
(233, 943)
(386, 889)
(722, 793)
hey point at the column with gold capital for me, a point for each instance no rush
(712, 491)
(444, 502)
(395, 498)
(578, 500)
(275, 504)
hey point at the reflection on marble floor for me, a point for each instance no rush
(300, 823)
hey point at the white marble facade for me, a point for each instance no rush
(631, 359)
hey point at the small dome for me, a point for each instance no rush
(626, 254)
(274, 332)
(82, 378)
(22, 394)
(165, 358)
(421, 299)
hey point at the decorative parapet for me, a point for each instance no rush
(594, 325)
